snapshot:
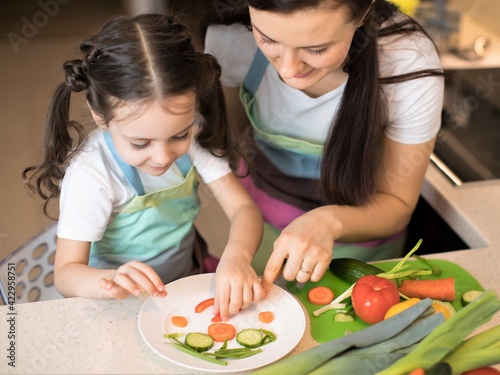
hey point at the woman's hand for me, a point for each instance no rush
(133, 278)
(305, 249)
(236, 286)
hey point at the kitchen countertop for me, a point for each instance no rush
(89, 336)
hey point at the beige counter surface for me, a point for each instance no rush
(88, 336)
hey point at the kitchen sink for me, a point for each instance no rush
(467, 148)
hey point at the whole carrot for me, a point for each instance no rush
(441, 289)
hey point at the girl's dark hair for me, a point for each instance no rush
(138, 59)
(354, 146)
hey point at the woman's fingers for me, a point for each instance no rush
(273, 268)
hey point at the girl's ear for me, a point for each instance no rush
(99, 120)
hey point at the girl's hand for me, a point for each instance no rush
(236, 286)
(134, 278)
(306, 245)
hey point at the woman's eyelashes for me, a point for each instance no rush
(316, 51)
(176, 138)
(311, 51)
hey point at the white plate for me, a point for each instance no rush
(184, 294)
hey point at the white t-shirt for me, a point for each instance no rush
(94, 189)
(414, 106)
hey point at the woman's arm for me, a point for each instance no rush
(308, 241)
(237, 284)
(73, 277)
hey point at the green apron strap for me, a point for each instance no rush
(184, 164)
(256, 72)
(129, 171)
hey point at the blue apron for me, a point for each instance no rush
(292, 156)
(155, 228)
(288, 169)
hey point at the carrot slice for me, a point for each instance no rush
(204, 304)
(221, 332)
(320, 295)
(441, 289)
(266, 316)
(179, 321)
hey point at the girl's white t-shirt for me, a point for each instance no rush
(414, 107)
(94, 189)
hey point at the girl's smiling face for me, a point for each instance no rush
(308, 47)
(154, 135)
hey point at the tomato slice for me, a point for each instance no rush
(372, 296)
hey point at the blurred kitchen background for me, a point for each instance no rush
(37, 36)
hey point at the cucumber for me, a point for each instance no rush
(249, 338)
(198, 341)
(350, 269)
(343, 317)
(451, 309)
(469, 295)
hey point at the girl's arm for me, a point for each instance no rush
(308, 241)
(237, 284)
(73, 277)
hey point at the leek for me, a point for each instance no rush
(478, 351)
(376, 357)
(436, 271)
(397, 271)
(448, 335)
(310, 359)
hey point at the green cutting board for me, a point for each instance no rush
(324, 328)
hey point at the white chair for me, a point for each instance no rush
(34, 269)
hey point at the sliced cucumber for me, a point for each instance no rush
(249, 338)
(343, 317)
(200, 342)
(447, 305)
(470, 295)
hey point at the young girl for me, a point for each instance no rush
(128, 191)
(343, 101)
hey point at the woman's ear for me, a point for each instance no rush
(98, 119)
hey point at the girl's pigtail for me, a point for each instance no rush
(215, 133)
(44, 178)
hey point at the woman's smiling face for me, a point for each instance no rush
(306, 46)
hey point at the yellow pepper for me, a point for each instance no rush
(401, 306)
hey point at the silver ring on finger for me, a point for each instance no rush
(305, 271)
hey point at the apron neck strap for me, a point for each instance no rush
(184, 164)
(256, 72)
(129, 171)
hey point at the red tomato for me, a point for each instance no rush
(482, 371)
(372, 296)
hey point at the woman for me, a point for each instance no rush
(344, 100)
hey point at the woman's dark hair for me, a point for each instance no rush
(138, 59)
(354, 146)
